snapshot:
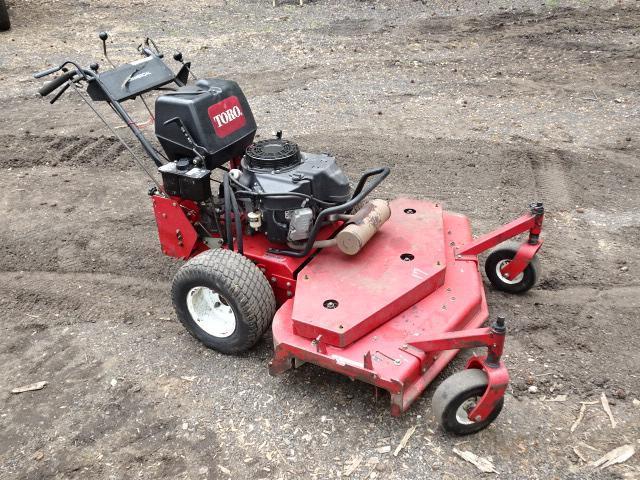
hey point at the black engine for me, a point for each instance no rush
(292, 186)
(280, 189)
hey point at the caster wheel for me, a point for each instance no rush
(499, 258)
(223, 300)
(456, 397)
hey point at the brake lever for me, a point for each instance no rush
(60, 92)
(150, 43)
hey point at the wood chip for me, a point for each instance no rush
(482, 464)
(617, 455)
(352, 466)
(30, 388)
(404, 440)
(224, 470)
(385, 449)
(557, 398)
(580, 456)
(583, 408)
(607, 408)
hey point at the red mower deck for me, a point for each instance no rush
(404, 289)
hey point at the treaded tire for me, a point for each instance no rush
(5, 23)
(453, 392)
(243, 287)
(507, 251)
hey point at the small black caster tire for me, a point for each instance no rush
(5, 23)
(455, 398)
(223, 300)
(500, 257)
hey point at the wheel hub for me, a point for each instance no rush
(462, 414)
(211, 312)
(501, 264)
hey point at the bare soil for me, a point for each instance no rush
(485, 106)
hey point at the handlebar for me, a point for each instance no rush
(56, 82)
(49, 71)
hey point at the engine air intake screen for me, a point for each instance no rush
(274, 154)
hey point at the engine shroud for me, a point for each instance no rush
(215, 114)
(276, 167)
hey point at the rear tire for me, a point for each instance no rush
(500, 257)
(456, 396)
(223, 300)
(5, 23)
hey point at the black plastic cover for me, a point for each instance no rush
(131, 79)
(216, 115)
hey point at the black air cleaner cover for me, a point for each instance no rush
(215, 113)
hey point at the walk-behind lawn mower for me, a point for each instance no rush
(383, 292)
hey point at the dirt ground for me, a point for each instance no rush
(485, 106)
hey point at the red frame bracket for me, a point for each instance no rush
(497, 374)
(175, 217)
(498, 379)
(522, 258)
(531, 221)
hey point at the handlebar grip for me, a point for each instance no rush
(55, 83)
(46, 72)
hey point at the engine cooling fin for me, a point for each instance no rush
(274, 154)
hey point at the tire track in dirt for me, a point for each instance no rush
(65, 298)
(26, 151)
(551, 186)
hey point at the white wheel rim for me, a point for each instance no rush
(501, 264)
(211, 312)
(462, 414)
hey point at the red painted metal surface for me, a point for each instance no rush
(524, 255)
(384, 356)
(342, 297)
(177, 235)
(279, 270)
(490, 240)
(498, 378)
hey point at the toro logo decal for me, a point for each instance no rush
(227, 116)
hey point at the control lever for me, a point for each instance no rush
(185, 71)
(59, 93)
(146, 48)
(103, 36)
(194, 147)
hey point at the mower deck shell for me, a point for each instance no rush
(343, 297)
(384, 356)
